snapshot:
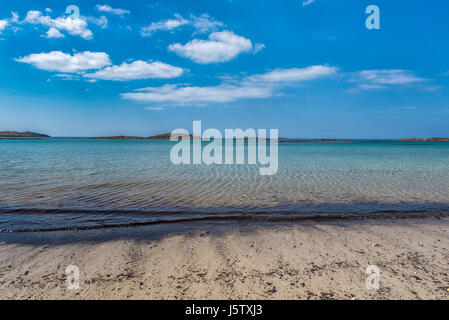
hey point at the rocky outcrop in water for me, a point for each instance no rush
(435, 139)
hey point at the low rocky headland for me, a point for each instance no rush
(26, 134)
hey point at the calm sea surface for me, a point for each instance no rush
(59, 184)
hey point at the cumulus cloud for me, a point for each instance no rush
(66, 63)
(3, 24)
(220, 47)
(381, 79)
(165, 25)
(54, 33)
(109, 9)
(251, 87)
(75, 66)
(10, 23)
(202, 24)
(137, 70)
(74, 26)
(307, 2)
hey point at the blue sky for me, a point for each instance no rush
(146, 67)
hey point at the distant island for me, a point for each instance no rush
(26, 134)
(164, 136)
(435, 139)
(167, 136)
(286, 140)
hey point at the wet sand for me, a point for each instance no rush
(302, 261)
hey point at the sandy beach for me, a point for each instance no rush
(306, 261)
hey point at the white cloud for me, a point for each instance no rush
(221, 46)
(258, 47)
(108, 9)
(293, 74)
(307, 2)
(65, 76)
(432, 88)
(381, 79)
(252, 87)
(3, 24)
(202, 24)
(154, 108)
(10, 22)
(137, 70)
(371, 86)
(394, 76)
(14, 17)
(74, 26)
(66, 63)
(205, 23)
(187, 95)
(165, 25)
(54, 33)
(102, 21)
(79, 63)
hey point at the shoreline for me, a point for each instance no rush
(253, 217)
(310, 260)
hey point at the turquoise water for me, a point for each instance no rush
(82, 183)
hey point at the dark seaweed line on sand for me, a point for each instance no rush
(384, 215)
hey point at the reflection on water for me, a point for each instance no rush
(82, 175)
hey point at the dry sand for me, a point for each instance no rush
(306, 261)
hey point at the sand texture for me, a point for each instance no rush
(307, 261)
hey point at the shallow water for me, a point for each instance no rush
(82, 183)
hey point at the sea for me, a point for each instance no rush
(61, 184)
